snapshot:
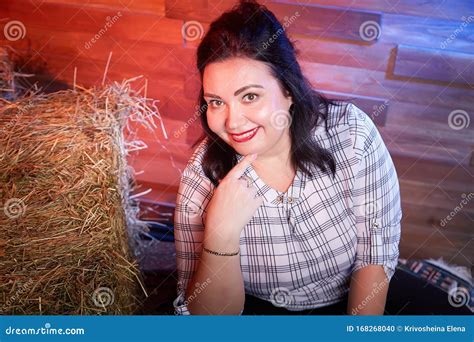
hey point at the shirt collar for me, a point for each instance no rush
(273, 196)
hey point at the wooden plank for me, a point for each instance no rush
(175, 131)
(157, 211)
(435, 118)
(171, 151)
(409, 142)
(451, 238)
(429, 32)
(425, 242)
(423, 215)
(337, 23)
(435, 65)
(376, 108)
(179, 107)
(369, 57)
(374, 83)
(436, 196)
(203, 11)
(146, 6)
(99, 22)
(192, 85)
(159, 167)
(195, 133)
(346, 24)
(90, 73)
(442, 136)
(426, 132)
(441, 9)
(170, 60)
(455, 178)
(158, 170)
(159, 192)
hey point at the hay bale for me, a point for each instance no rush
(65, 202)
(7, 84)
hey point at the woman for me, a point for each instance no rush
(290, 203)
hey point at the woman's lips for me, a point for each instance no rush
(244, 136)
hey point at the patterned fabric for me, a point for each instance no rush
(459, 290)
(302, 246)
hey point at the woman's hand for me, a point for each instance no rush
(232, 205)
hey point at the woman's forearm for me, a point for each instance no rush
(223, 293)
(368, 291)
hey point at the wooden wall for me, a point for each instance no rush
(408, 63)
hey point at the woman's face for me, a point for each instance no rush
(243, 96)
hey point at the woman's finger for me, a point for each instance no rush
(238, 170)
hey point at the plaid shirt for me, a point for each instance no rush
(301, 247)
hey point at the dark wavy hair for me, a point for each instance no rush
(251, 30)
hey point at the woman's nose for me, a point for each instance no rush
(235, 118)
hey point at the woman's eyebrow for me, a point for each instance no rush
(237, 92)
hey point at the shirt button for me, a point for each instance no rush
(290, 199)
(291, 221)
(280, 199)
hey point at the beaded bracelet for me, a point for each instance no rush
(220, 253)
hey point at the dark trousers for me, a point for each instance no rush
(257, 306)
(407, 295)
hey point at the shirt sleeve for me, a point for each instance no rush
(194, 193)
(376, 198)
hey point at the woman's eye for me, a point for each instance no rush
(250, 97)
(215, 103)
